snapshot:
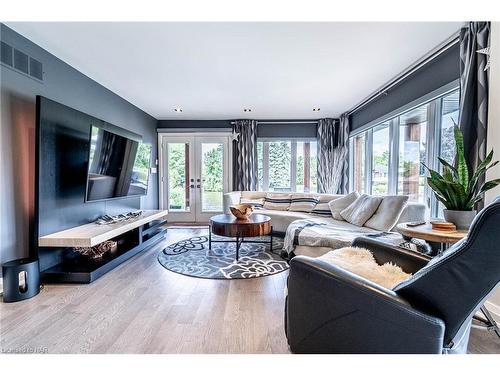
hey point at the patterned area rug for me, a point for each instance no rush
(193, 258)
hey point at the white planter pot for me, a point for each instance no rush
(461, 219)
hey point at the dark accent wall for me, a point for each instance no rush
(439, 72)
(263, 130)
(66, 85)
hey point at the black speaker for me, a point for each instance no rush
(21, 279)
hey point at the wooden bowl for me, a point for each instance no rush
(241, 211)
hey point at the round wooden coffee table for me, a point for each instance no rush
(229, 226)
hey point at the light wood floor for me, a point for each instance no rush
(140, 307)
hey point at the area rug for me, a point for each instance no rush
(193, 258)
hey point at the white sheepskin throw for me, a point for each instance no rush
(362, 263)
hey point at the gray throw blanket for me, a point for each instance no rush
(327, 232)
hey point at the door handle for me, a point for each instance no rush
(198, 186)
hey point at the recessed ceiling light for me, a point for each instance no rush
(247, 109)
(177, 109)
(316, 109)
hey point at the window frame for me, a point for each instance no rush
(433, 142)
(351, 160)
(293, 159)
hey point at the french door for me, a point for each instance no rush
(194, 175)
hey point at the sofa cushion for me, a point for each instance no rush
(277, 201)
(253, 194)
(303, 202)
(337, 205)
(363, 208)
(388, 213)
(256, 202)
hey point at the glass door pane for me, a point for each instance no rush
(212, 176)
(412, 152)
(178, 177)
(380, 160)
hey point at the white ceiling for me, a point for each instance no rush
(214, 70)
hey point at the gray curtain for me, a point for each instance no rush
(245, 155)
(332, 138)
(474, 91)
(344, 142)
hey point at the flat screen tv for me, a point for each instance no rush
(118, 166)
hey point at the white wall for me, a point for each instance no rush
(493, 141)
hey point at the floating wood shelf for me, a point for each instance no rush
(84, 270)
(92, 234)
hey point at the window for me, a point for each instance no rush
(280, 168)
(358, 153)
(306, 167)
(449, 115)
(287, 165)
(394, 149)
(412, 153)
(380, 159)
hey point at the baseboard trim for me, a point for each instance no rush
(494, 310)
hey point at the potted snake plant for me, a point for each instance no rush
(456, 188)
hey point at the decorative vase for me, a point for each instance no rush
(461, 219)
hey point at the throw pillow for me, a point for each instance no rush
(321, 209)
(303, 202)
(363, 208)
(339, 204)
(277, 201)
(256, 202)
(388, 213)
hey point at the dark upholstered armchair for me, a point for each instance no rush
(330, 310)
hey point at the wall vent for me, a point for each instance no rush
(36, 69)
(6, 54)
(21, 62)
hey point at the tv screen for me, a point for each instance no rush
(118, 166)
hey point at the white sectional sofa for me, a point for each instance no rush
(310, 233)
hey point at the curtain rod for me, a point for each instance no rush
(283, 122)
(447, 44)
